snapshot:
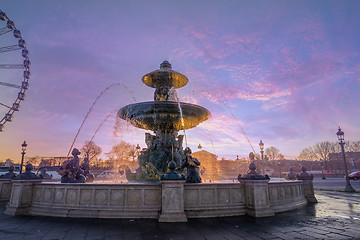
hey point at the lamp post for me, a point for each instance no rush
(279, 169)
(138, 149)
(340, 135)
(261, 144)
(322, 170)
(23, 148)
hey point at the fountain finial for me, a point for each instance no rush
(304, 175)
(165, 65)
(172, 174)
(165, 77)
(253, 175)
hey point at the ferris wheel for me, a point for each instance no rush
(14, 69)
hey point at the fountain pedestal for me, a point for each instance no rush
(308, 188)
(257, 193)
(307, 183)
(172, 202)
(257, 198)
(5, 190)
(21, 196)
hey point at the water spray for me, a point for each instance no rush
(232, 116)
(212, 144)
(91, 108)
(182, 120)
(102, 122)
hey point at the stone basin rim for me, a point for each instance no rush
(143, 112)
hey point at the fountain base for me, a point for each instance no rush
(256, 198)
(162, 148)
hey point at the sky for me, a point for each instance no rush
(285, 72)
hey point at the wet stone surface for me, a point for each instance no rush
(336, 216)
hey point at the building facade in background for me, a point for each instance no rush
(336, 161)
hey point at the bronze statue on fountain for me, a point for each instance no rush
(73, 172)
(165, 116)
(192, 167)
(9, 174)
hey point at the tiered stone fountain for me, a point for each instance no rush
(171, 200)
(165, 116)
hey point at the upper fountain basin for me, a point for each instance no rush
(163, 115)
(165, 78)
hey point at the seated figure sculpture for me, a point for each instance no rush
(28, 174)
(192, 165)
(85, 168)
(70, 171)
(291, 175)
(9, 174)
(304, 175)
(44, 174)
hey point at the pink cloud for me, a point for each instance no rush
(214, 46)
(252, 93)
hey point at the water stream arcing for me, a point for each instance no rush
(92, 106)
(173, 95)
(182, 119)
(102, 122)
(232, 114)
(212, 144)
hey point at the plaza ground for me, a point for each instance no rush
(335, 216)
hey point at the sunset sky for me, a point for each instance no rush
(286, 72)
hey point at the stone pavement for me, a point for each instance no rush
(336, 216)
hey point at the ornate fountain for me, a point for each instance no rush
(165, 116)
(170, 200)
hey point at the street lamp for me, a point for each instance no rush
(138, 149)
(340, 135)
(322, 170)
(23, 148)
(261, 144)
(279, 168)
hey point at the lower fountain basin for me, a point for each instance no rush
(163, 115)
(82, 200)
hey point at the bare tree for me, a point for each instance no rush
(323, 149)
(273, 153)
(97, 162)
(133, 152)
(307, 154)
(33, 160)
(351, 146)
(91, 150)
(122, 151)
